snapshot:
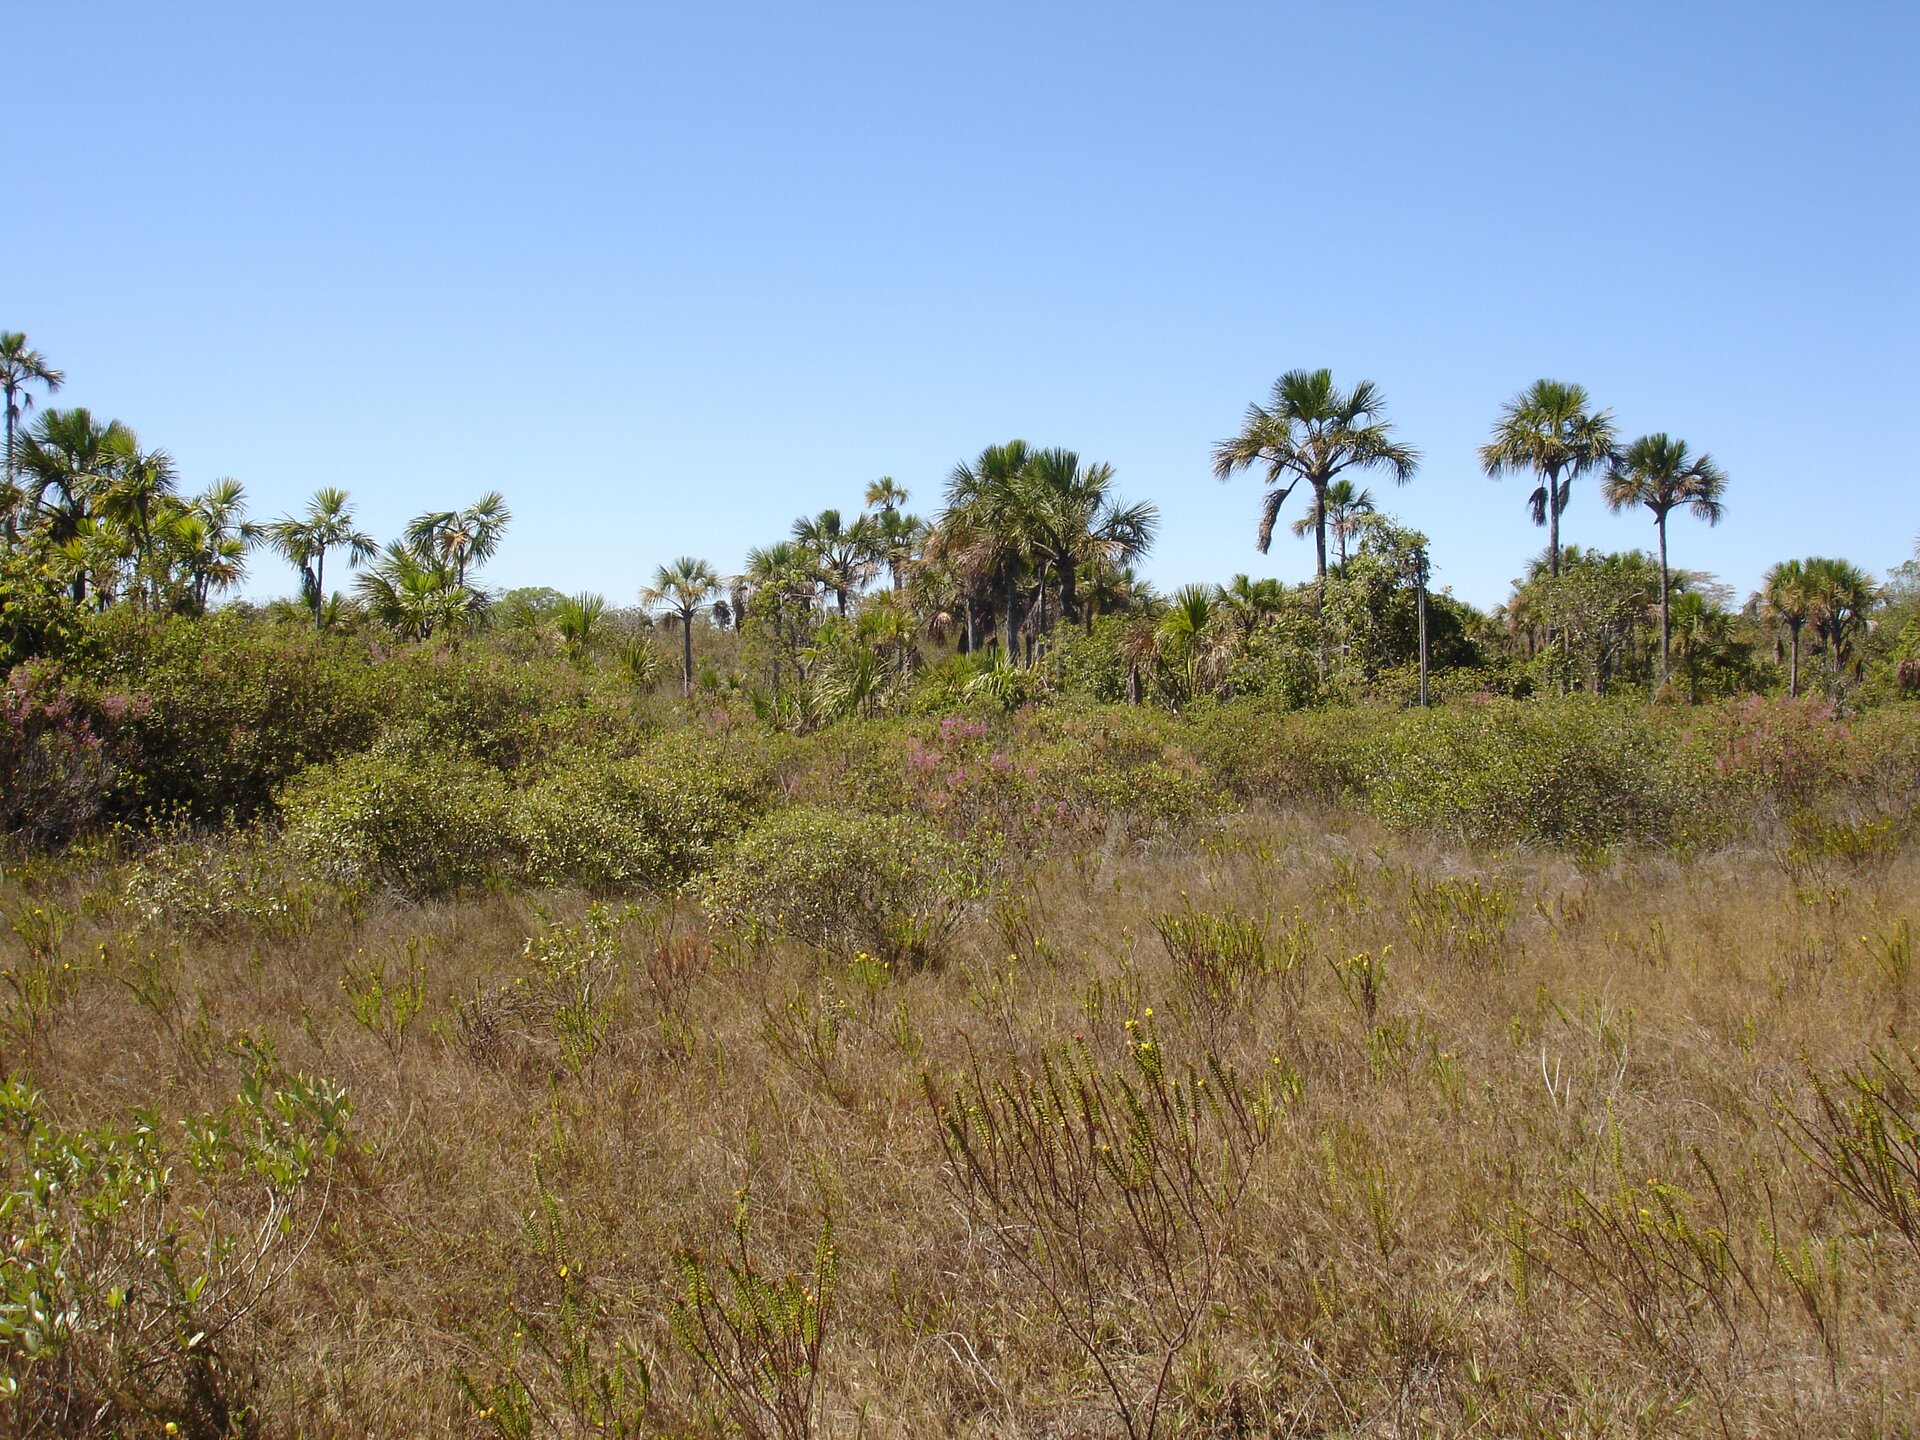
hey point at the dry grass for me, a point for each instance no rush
(1538, 1177)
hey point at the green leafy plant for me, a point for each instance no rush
(421, 828)
(133, 1255)
(759, 1337)
(555, 1372)
(890, 885)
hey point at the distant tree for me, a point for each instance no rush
(460, 538)
(306, 542)
(1067, 517)
(70, 456)
(1310, 431)
(1345, 505)
(20, 367)
(1662, 475)
(578, 617)
(1786, 598)
(1551, 431)
(681, 589)
(981, 526)
(886, 494)
(1842, 594)
(845, 553)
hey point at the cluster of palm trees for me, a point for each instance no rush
(1028, 540)
(108, 513)
(1833, 597)
(1311, 431)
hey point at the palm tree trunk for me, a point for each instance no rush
(1793, 675)
(1013, 614)
(1423, 644)
(686, 654)
(1666, 623)
(967, 605)
(319, 582)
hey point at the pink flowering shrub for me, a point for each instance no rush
(60, 754)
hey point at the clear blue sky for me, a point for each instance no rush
(669, 276)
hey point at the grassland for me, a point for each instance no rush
(1244, 1117)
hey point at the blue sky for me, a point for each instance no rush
(669, 276)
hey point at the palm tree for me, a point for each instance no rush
(1344, 506)
(327, 525)
(1250, 603)
(1786, 598)
(681, 589)
(417, 595)
(1184, 633)
(71, 454)
(1550, 430)
(139, 486)
(781, 584)
(1841, 594)
(1067, 517)
(460, 538)
(983, 521)
(1310, 430)
(20, 367)
(886, 494)
(578, 617)
(846, 553)
(1662, 475)
(1697, 626)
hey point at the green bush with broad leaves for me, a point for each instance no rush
(651, 820)
(223, 711)
(1573, 773)
(135, 1254)
(891, 885)
(416, 825)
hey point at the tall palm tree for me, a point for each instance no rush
(327, 526)
(886, 493)
(846, 553)
(138, 489)
(681, 589)
(983, 522)
(71, 455)
(1310, 430)
(459, 538)
(1841, 595)
(1786, 598)
(1067, 517)
(1550, 430)
(1344, 506)
(1662, 475)
(21, 366)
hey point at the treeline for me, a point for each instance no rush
(1022, 584)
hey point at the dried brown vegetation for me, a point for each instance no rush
(1442, 1143)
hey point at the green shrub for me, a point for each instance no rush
(136, 1255)
(891, 885)
(499, 711)
(225, 710)
(1575, 773)
(1256, 751)
(419, 826)
(652, 820)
